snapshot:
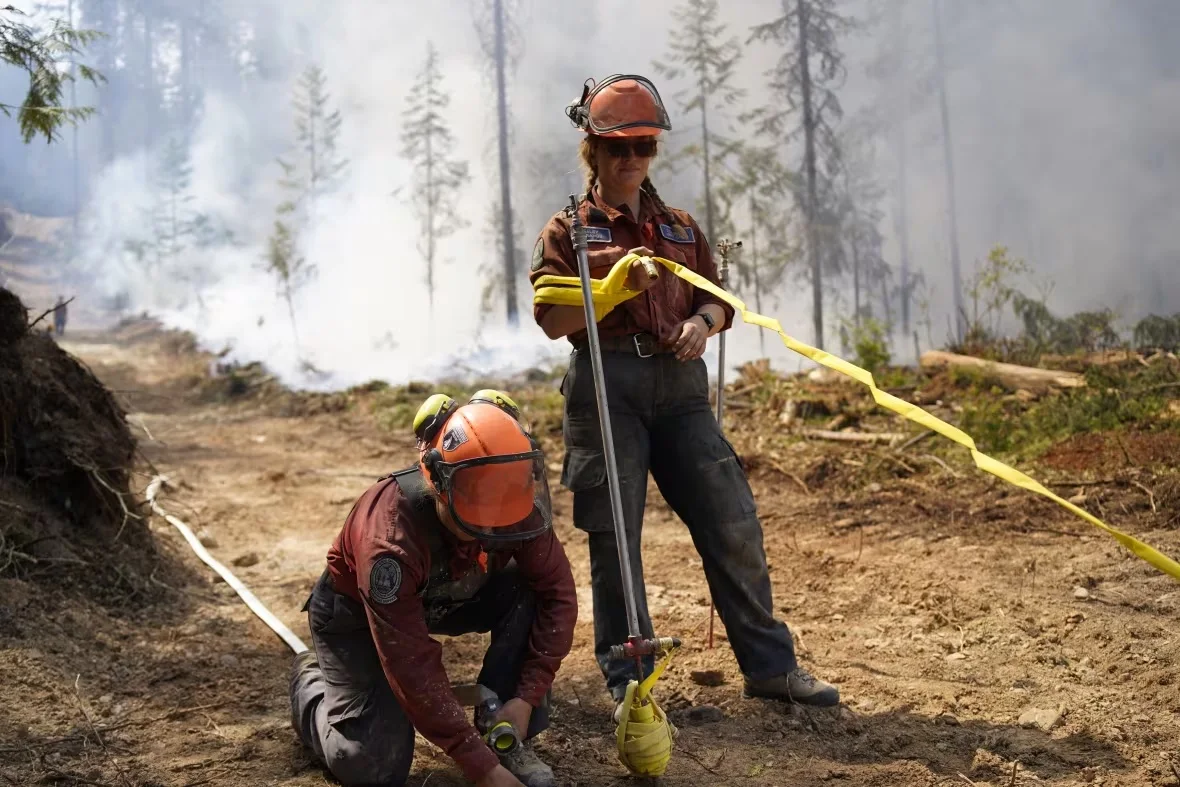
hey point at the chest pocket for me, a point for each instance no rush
(601, 257)
(677, 291)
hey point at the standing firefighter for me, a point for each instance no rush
(59, 315)
(658, 398)
(461, 542)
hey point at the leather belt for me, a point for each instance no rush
(643, 345)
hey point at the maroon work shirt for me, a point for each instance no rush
(611, 233)
(386, 531)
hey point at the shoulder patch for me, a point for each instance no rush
(455, 437)
(538, 255)
(677, 234)
(598, 235)
(385, 579)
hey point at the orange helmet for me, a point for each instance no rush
(622, 105)
(489, 473)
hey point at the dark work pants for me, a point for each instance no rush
(662, 422)
(343, 708)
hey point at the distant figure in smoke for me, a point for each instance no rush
(460, 542)
(59, 315)
(658, 393)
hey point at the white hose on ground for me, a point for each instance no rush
(251, 600)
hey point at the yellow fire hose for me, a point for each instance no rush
(610, 291)
(644, 733)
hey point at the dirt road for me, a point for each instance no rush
(954, 615)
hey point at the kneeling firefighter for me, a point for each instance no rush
(461, 542)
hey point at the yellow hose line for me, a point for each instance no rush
(566, 291)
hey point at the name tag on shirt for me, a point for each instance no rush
(677, 234)
(598, 235)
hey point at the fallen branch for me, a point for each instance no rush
(1150, 496)
(780, 469)
(942, 464)
(49, 311)
(913, 441)
(854, 437)
(897, 462)
(1012, 376)
(90, 723)
(710, 768)
(97, 476)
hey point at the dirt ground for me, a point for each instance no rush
(954, 614)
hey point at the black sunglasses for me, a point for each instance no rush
(642, 148)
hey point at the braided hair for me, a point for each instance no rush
(587, 152)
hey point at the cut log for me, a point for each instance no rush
(855, 437)
(1009, 375)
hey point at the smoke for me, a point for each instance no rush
(1064, 122)
(1064, 115)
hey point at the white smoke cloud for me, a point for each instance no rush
(1064, 141)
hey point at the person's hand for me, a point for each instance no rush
(499, 777)
(641, 276)
(690, 339)
(516, 712)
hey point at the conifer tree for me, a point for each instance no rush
(314, 170)
(173, 221)
(428, 144)
(754, 205)
(701, 52)
(500, 39)
(39, 54)
(289, 268)
(317, 165)
(803, 84)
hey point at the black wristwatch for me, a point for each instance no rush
(708, 318)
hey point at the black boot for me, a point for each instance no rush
(795, 686)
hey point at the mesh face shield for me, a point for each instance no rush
(498, 498)
(623, 105)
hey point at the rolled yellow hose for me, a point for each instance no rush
(645, 735)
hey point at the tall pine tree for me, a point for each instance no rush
(500, 40)
(949, 158)
(173, 220)
(315, 168)
(317, 165)
(803, 84)
(428, 144)
(701, 52)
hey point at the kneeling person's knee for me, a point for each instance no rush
(375, 759)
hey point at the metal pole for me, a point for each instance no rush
(722, 275)
(608, 444)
